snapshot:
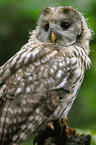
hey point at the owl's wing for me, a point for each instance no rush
(28, 83)
(18, 121)
(35, 54)
(28, 54)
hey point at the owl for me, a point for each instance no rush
(40, 82)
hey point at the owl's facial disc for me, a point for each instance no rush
(62, 26)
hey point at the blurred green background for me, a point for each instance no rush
(18, 18)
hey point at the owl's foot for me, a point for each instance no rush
(58, 133)
(63, 120)
(63, 123)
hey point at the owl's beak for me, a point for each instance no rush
(53, 37)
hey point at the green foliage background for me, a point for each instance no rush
(18, 17)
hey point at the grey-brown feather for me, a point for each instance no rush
(40, 82)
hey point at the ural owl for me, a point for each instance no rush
(41, 81)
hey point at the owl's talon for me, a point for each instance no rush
(65, 119)
(51, 125)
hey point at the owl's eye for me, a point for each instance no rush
(46, 27)
(65, 25)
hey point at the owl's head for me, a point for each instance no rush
(62, 25)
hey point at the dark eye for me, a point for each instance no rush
(65, 25)
(46, 27)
